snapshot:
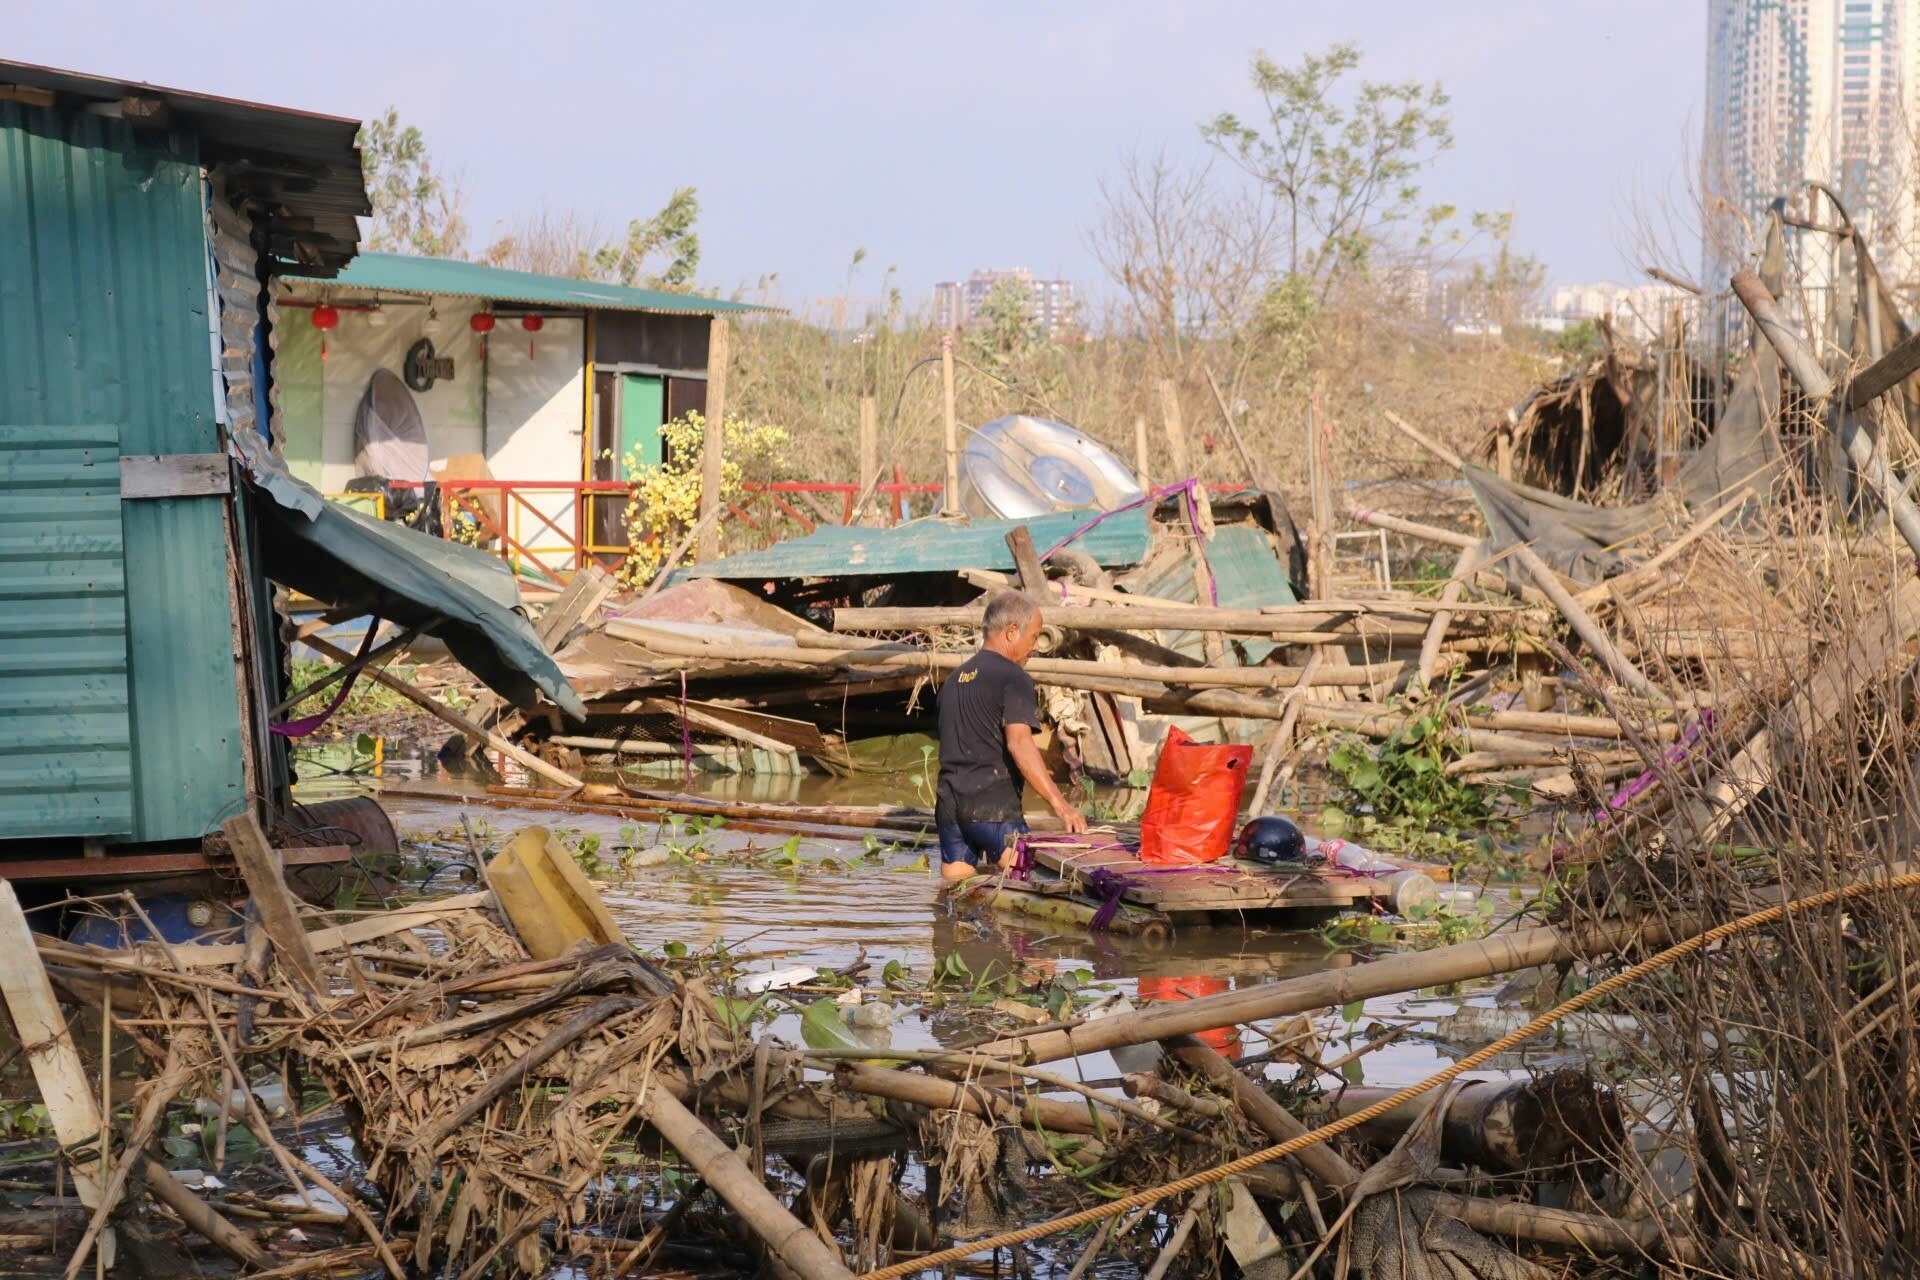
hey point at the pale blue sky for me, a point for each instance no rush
(937, 137)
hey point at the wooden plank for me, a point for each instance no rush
(582, 597)
(1886, 373)
(279, 915)
(173, 475)
(717, 721)
(116, 865)
(50, 1051)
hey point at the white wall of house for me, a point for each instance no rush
(536, 410)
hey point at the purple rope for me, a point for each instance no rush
(1191, 489)
(1674, 757)
(307, 724)
(1110, 886)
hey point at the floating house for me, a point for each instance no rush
(145, 518)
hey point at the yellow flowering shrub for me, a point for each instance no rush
(664, 502)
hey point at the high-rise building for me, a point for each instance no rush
(1822, 90)
(958, 304)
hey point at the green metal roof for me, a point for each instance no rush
(930, 546)
(451, 277)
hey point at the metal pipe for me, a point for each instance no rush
(1818, 383)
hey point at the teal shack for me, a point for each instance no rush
(144, 515)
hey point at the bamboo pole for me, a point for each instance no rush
(1281, 743)
(1582, 622)
(1140, 453)
(1111, 677)
(869, 442)
(950, 503)
(1045, 1114)
(714, 443)
(433, 706)
(1413, 528)
(1094, 617)
(1331, 988)
(790, 1242)
(1437, 628)
(1425, 441)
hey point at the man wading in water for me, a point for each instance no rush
(988, 714)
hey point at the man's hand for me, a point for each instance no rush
(1008, 857)
(1074, 820)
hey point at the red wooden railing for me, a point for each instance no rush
(550, 528)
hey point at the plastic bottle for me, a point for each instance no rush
(1345, 853)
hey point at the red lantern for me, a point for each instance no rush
(325, 318)
(532, 324)
(481, 322)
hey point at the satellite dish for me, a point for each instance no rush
(389, 436)
(1017, 466)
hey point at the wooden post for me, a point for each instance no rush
(713, 446)
(272, 899)
(49, 1047)
(1033, 576)
(869, 444)
(1503, 450)
(1140, 450)
(951, 421)
(1176, 430)
(1320, 432)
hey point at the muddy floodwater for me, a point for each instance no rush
(830, 903)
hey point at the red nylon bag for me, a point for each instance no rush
(1194, 801)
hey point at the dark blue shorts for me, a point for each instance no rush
(977, 841)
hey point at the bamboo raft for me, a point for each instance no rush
(1191, 895)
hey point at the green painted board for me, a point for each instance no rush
(932, 546)
(643, 408)
(66, 727)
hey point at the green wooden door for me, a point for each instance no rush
(643, 406)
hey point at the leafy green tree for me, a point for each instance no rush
(1343, 166)
(661, 252)
(668, 237)
(415, 209)
(1503, 288)
(1007, 330)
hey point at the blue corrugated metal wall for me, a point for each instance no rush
(103, 322)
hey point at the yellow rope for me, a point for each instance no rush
(1194, 1181)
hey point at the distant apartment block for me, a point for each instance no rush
(957, 304)
(1823, 90)
(1637, 311)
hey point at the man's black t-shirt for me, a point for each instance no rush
(979, 781)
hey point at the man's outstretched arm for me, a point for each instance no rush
(1026, 754)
